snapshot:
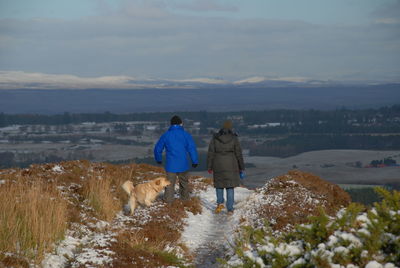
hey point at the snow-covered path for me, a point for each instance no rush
(208, 234)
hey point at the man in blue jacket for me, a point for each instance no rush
(177, 144)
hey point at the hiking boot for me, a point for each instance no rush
(230, 212)
(219, 208)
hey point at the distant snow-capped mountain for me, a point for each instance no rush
(18, 79)
(260, 79)
(26, 80)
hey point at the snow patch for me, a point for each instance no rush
(90, 248)
(373, 264)
(208, 228)
(58, 169)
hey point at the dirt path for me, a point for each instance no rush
(208, 235)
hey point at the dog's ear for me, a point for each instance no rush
(158, 182)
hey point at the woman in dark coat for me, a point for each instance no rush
(225, 161)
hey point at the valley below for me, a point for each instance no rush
(333, 165)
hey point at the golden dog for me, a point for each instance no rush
(144, 193)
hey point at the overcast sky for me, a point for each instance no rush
(181, 39)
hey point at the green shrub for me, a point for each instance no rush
(355, 236)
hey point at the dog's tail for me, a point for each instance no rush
(128, 187)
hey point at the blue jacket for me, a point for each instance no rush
(177, 143)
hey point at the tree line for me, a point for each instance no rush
(381, 120)
(296, 144)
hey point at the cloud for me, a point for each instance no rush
(206, 5)
(388, 13)
(144, 39)
(387, 21)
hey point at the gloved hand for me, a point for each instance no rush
(210, 171)
(242, 175)
(194, 165)
(159, 162)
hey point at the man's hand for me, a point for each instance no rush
(194, 165)
(210, 171)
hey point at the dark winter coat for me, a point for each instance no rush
(225, 159)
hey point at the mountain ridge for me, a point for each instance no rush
(41, 81)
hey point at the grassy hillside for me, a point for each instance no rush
(70, 214)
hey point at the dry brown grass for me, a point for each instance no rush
(193, 205)
(97, 191)
(200, 183)
(102, 186)
(167, 223)
(335, 196)
(149, 242)
(133, 254)
(32, 217)
(294, 209)
(33, 214)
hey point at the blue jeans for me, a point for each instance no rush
(230, 197)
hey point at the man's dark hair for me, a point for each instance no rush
(176, 120)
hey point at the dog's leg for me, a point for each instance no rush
(132, 204)
(128, 187)
(148, 202)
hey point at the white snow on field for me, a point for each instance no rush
(10, 128)
(208, 229)
(207, 235)
(57, 169)
(90, 248)
(64, 251)
(89, 244)
(296, 250)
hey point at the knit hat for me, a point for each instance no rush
(176, 120)
(227, 124)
